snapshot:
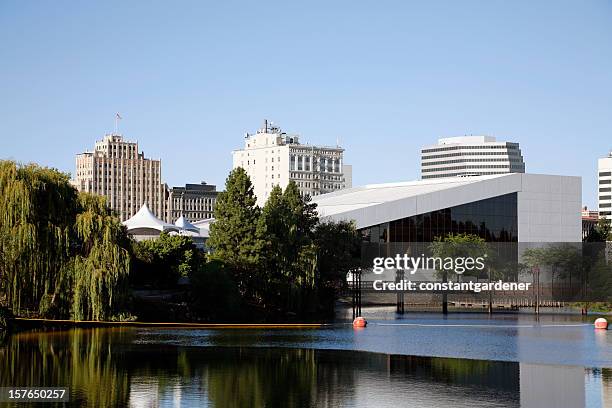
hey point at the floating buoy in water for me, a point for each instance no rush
(360, 322)
(601, 323)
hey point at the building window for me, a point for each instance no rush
(493, 219)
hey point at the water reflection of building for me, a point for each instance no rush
(606, 389)
(548, 386)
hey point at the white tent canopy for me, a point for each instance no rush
(204, 226)
(185, 225)
(144, 219)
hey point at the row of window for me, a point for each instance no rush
(480, 173)
(442, 156)
(491, 166)
(494, 219)
(472, 161)
(444, 149)
(191, 216)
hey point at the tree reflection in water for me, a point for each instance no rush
(83, 360)
(108, 367)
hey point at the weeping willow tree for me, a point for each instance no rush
(37, 213)
(102, 262)
(61, 253)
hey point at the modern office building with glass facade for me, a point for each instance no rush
(512, 212)
(516, 207)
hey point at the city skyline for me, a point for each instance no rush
(190, 81)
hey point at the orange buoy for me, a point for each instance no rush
(600, 323)
(360, 322)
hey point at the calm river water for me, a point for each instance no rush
(417, 360)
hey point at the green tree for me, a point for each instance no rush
(273, 233)
(214, 295)
(161, 262)
(101, 264)
(601, 232)
(233, 235)
(457, 246)
(301, 221)
(338, 248)
(289, 255)
(61, 253)
(338, 251)
(37, 212)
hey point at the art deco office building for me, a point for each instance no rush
(194, 202)
(127, 178)
(272, 157)
(470, 156)
(604, 166)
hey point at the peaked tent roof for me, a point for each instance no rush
(144, 219)
(185, 225)
(204, 226)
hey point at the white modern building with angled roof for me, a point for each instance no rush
(515, 207)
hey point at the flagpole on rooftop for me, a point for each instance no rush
(117, 119)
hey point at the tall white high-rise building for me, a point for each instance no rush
(117, 170)
(470, 156)
(272, 157)
(604, 167)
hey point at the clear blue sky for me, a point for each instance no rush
(189, 78)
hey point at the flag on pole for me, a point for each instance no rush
(118, 116)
